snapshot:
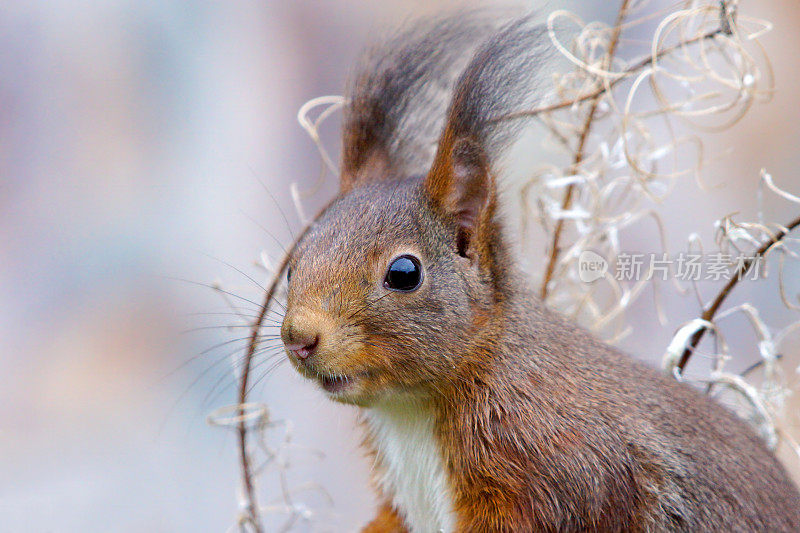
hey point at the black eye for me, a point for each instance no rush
(288, 274)
(404, 274)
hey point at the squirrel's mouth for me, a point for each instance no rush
(334, 384)
(339, 385)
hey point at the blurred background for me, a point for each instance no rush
(145, 144)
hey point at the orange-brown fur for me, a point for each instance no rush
(540, 426)
(387, 521)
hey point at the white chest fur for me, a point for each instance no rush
(413, 475)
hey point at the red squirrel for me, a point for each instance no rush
(482, 409)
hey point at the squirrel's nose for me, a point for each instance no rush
(304, 331)
(302, 344)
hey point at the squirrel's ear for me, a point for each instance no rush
(499, 80)
(461, 187)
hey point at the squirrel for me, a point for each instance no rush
(482, 409)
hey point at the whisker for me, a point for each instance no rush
(203, 374)
(257, 284)
(225, 326)
(220, 313)
(233, 379)
(266, 373)
(216, 288)
(201, 354)
(265, 230)
(278, 205)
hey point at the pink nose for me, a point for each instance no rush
(304, 348)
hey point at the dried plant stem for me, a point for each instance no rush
(251, 503)
(594, 96)
(555, 247)
(711, 310)
(638, 66)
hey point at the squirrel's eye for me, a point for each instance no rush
(288, 274)
(404, 274)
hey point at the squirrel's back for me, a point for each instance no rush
(603, 427)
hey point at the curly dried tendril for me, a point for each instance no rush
(629, 124)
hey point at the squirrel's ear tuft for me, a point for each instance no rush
(373, 166)
(397, 96)
(460, 186)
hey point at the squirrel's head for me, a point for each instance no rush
(398, 285)
(396, 281)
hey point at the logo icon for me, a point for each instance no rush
(591, 266)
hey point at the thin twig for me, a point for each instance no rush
(579, 152)
(627, 73)
(595, 97)
(251, 504)
(711, 310)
